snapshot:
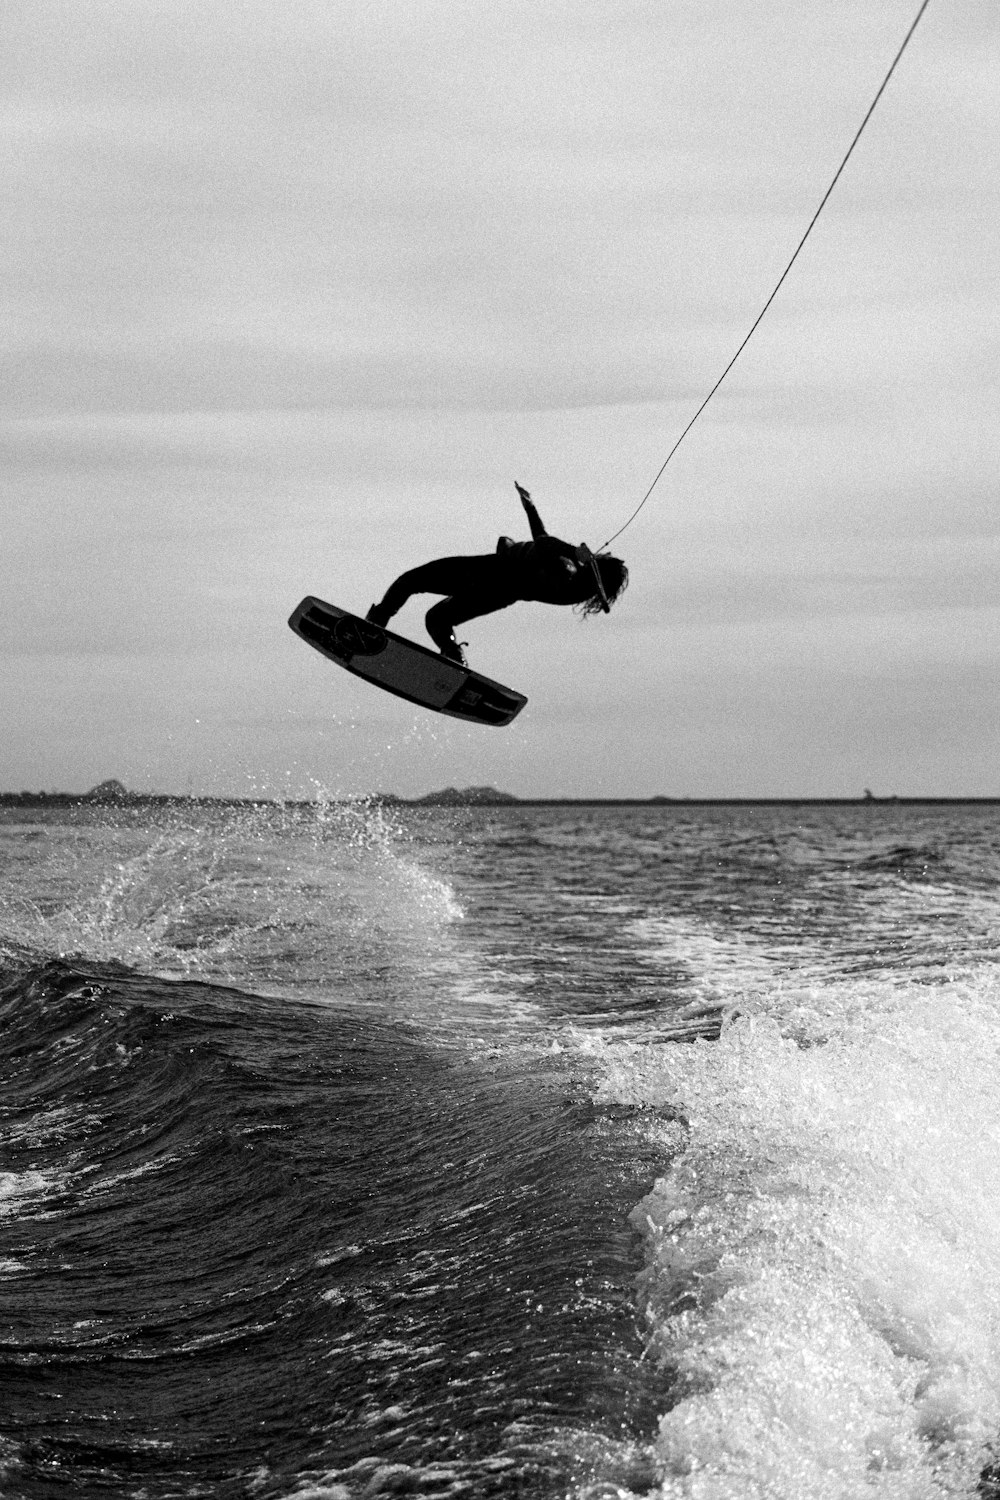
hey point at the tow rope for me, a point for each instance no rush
(759, 318)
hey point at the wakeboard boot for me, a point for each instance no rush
(452, 651)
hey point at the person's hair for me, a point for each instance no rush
(614, 577)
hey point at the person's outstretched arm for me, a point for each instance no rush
(534, 519)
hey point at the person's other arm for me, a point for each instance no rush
(534, 519)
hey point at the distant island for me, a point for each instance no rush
(108, 791)
(488, 796)
(471, 796)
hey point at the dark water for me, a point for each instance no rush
(521, 1152)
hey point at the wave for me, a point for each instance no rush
(823, 1256)
(275, 898)
(907, 859)
(222, 1215)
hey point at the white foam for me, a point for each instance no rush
(21, 1190)
(720, 965)
(237, 894)
(824, 1256)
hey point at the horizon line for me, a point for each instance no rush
(453, 798)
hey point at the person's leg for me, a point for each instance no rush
(442, 618)
(445, 575)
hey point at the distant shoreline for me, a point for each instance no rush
(434, 799)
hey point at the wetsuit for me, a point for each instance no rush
(545, 569)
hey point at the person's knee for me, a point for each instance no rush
(414, 580)
(439, 622)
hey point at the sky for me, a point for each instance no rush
(293, 293)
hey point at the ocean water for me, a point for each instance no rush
(568, 1151)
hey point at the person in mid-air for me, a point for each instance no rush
(544, 569)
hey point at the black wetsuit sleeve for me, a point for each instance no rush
(534, 519)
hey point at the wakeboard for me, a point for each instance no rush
(402, 667)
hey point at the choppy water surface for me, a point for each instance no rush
(517, 1152)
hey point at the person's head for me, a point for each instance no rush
(614, 580)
